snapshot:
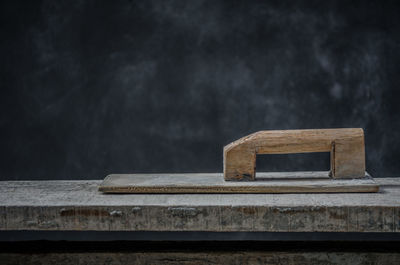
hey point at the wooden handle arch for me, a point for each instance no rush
(346, 147)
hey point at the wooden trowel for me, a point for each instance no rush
(347, 173)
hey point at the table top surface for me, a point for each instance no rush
(85, 193)
(78, 205)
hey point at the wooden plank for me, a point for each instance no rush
(188, 256)
(275, 182)
(346, 146)
(78, 205)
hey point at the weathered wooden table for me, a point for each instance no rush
(79, 206)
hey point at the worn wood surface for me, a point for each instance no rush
(78, 205)
(346, 147)
(197, 258)
(277, 182)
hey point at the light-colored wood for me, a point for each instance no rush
(272, 182)
(346, 146)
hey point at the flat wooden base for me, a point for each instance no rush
(271, 182)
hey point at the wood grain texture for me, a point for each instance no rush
(346, 147)
(78, 205)
(188, 257)
(273, 182)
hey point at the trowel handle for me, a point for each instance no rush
(345, 145)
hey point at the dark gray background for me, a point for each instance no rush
(90, 88)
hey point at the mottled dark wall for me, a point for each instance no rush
(96, 87)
